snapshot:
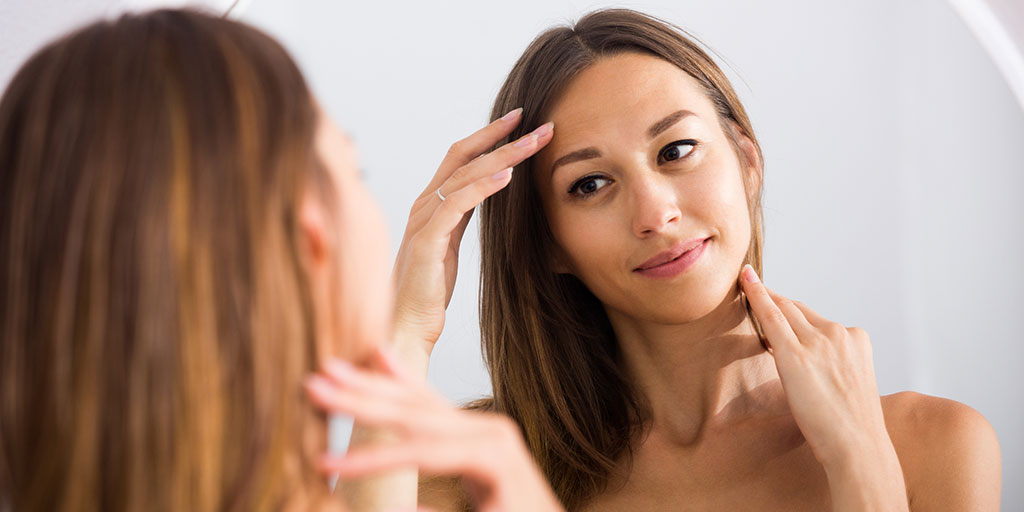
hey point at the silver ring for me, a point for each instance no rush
(439, 194)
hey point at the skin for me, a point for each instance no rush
(400, 422)
(336, 273)
(734, 426)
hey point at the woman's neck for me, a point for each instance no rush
(308, 489)
(703, 375)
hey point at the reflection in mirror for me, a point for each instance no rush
(887, 134)
(889, 138)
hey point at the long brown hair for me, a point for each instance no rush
(155, 314)
(550, 349)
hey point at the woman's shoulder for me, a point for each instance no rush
(949, 452)
(912, 409)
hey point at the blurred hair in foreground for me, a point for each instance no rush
(155, 315)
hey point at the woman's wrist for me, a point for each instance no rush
(866, 475)
(413, 351)
(850, 443)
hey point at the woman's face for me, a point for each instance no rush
(639, 172)
(355, 287)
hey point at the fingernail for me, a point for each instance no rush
(543, 129)
(526, 141)
(749, 275)
(512, 115)
(502, 175)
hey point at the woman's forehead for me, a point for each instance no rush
(624, 96)
(625, 83)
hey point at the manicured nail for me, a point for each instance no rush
(526, 141)
(502, 175)
(543, 129)
(749, 275)
(513, 114)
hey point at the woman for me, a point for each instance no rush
(177, 256)
(624, 324)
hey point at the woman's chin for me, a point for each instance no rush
(678, 309)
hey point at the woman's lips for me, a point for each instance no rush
(674, 266)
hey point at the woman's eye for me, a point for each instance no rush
(588, 185)
(676, 150)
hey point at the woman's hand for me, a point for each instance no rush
(485, 449)
(428, 258)
(829, 379)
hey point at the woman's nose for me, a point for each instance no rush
(655, 205)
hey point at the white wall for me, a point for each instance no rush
(893, 148)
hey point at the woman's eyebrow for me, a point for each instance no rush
(656, 129)
(666, 122)
(576, 156)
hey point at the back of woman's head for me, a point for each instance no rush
(155, 320)
(551, 352)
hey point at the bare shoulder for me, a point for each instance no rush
(949, 452)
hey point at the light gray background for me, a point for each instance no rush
(894, 153)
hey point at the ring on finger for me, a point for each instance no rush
(439, 194)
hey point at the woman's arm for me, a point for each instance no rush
(425, 271)
(428, 259)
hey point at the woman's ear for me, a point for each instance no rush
(751, 157)
(317, 248)
(316, 240)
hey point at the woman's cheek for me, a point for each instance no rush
(726, 206)
(595, 252)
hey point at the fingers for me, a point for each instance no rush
(471, 184)
(372, 398)
(485, 449)
(371, 408)
(452, 447)
(773, 320)
(795, 316)
(338, 391)
(451, 212)
(460, 228)
(343, 373)
(435, 456)
(806, 325)
(812, 316)
(431, 434)
(819, 325)
(465, 150)
(509, 155)
(364, 408)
